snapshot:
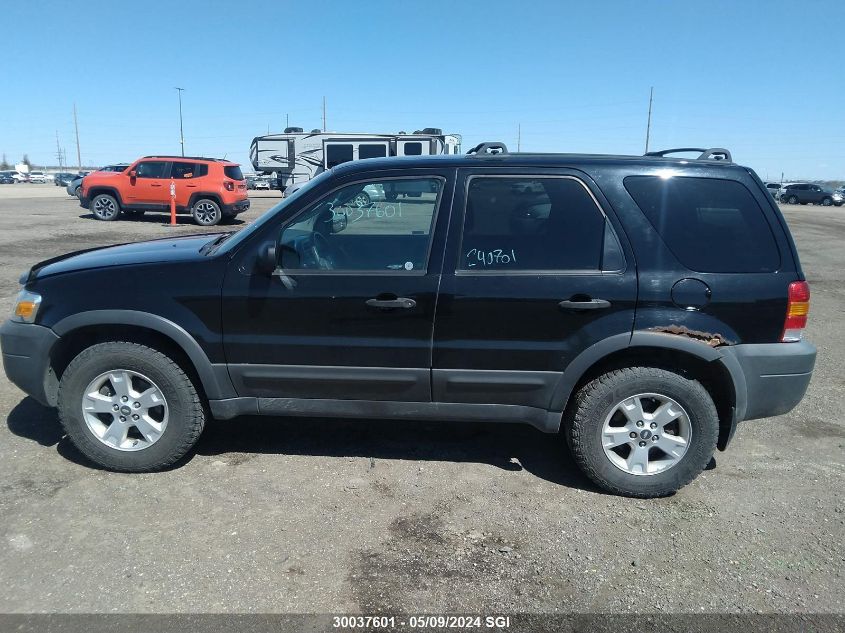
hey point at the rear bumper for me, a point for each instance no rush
(235, 208)
(26, 358)
(776, 376)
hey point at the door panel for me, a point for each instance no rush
(349, 314)
(151, 186)
(530, 243)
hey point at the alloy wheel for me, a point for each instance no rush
(205, 212)
(104, 208)
(124, 410)
(646, 434)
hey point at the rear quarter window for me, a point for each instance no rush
(709, 224)
(233, 172)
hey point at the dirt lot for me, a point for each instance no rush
(316, 516)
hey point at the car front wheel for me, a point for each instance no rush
(105, 207)
(827, 202)
(206, 212)
(129, 408)
(642, 431)
(792, 200)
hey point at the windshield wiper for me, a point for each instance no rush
(217, 241)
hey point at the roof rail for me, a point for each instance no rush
(714, 153)
(185, 157)
(489, 147)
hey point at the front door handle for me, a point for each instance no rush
(587, 304)
(398, 302)
(153, 184)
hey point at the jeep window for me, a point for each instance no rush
(372, 150)
(179, 170)
(151, 169)
(356, 228)
(234, 172)
(412, 149)
(541, 224)
(710, 225)
(337, 154)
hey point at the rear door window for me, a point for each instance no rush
(710, 225)
(517, 224)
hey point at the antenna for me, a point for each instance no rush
(519, 137)
(324, 114)
(648, 125)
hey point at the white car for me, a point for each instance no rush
(37, 177)
(262, 184)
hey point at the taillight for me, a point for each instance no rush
(230, 186)
(797, 309)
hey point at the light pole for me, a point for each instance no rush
(181, 133)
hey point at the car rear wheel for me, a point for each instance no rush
(642, 431)
(792, 200)
(129, 408)
(105, 207)
(362, 199)
(206, 212)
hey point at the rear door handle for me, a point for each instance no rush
(153, 184)
(589, 304)
(399, 302)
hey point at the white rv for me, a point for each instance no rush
(296, 156)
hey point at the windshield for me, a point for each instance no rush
(271, 213)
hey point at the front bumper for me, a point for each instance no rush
(26, 359)
(84, 201)
(235, 208)
(776, 376)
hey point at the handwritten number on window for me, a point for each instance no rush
(485, 259)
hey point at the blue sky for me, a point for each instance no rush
(575, 75)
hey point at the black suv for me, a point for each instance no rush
(642, 306)
(806, 193)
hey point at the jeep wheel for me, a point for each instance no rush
(105, 207)
(206, 212)
(642, 431)
(826, 202)
(129, 408)
(792, 200)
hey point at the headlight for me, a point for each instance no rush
(26, 307)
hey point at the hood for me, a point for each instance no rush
(175, 249)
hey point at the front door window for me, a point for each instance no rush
(377, 226)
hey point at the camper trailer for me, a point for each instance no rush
(295, 157)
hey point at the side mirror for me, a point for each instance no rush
(133, 174)
(339, 222)
(266, 260)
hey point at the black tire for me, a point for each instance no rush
(186, 415)
(792, 200)
(826, 202)
(105, 207)
(206, 212)
(594, 402)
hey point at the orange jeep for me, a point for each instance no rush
(209, 189)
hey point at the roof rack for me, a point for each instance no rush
(489, 147)
(186, 157)
(714, 153)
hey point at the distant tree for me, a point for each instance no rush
(25, 161)
(4, 164)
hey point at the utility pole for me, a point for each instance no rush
(519, 137)
(287, 121)
(324, 114)
(181, 132)
(648, 125)
(76, 127)
(58, 151)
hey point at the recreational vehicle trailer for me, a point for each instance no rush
(296, 156)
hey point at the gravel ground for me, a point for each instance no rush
(298, 516)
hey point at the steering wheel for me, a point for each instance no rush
(321, 252)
